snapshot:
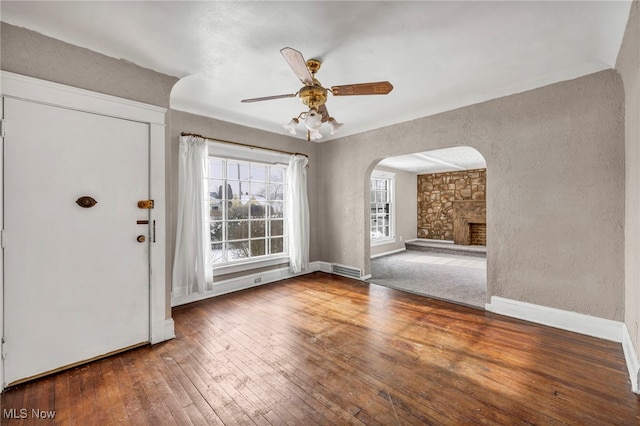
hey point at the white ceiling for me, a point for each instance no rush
(438, 55)
(437, 161)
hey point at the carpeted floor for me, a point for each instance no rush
(456, 278)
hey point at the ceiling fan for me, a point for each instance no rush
(314, 95)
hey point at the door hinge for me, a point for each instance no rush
(2, 128)
(3, 354)
(145, 204)
(2, 238)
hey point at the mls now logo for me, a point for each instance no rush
(23, 413)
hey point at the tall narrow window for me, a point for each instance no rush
(382, 207)
(246, 204)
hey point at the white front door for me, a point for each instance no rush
(76, 278)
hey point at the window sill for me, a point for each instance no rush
(382, 242)
(249, 265)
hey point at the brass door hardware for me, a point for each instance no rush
(142, 222)
(145, 204)
(141, 238)
(86, 202)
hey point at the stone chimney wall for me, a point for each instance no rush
(436, 194)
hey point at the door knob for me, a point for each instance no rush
(141, 238)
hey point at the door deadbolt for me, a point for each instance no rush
(141, 238)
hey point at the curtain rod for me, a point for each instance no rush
(242, 144)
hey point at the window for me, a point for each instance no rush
(382, 207)
(246, 210)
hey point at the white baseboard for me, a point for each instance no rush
(386, 253)
(248, 281)
(324, 267)
(565, 320)
(162, 330)
(615, 331)
(631, 357)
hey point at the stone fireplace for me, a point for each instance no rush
(470, 222)
(437, 195)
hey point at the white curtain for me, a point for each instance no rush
(298, 213)
(192, 266)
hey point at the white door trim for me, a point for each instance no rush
(27, 88)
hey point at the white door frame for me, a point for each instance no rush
(27, 88)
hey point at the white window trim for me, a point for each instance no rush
(251, 154)
(247, 265)
(246, 153)
(380, 174)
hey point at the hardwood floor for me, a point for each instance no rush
(321, 349)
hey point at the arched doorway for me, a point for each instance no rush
(428, 224)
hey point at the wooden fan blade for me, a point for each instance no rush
(268, 98)
(322, 110)
(377, 88)
(298, 65)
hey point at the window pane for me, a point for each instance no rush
(276, 245)
(277, 227)
(258, 228)
(257, 210)
(215, 209)
(237, 230)
(215, 188)
(276, 191)
(216, 253)
(276, 174)
(238, 210)
(238, 250)
(216, 231)
(237, 170)
(258, 172)
(276, 209)
(216, 166)
(258, 190)
(258, 247)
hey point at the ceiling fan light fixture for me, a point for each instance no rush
(335, 125)
(314, 135)
(291, 126)
(313, 121)
(314, 95)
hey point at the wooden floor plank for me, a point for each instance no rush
(247, 380)
(204, 409)
(113, 389)
(322, 349)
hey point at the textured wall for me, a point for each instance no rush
(628, 65)
(406, 211)
(556, 243)
(30, 53)
(436, 195)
